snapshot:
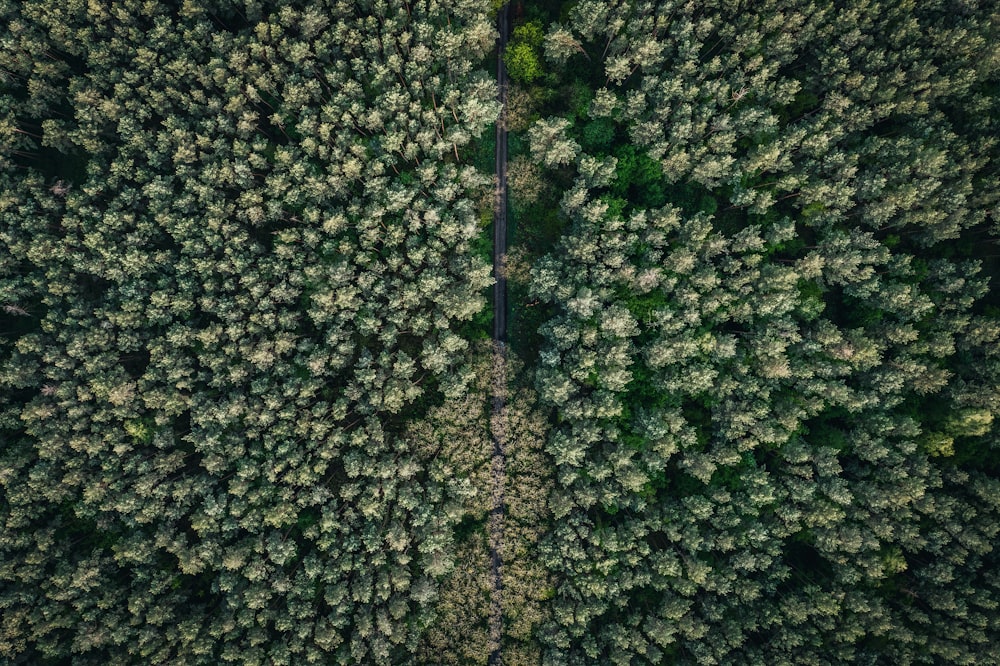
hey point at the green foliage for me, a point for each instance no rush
(246, 396)
(139, 430)
(640, 177)
(771, 366)
(523, 54)
(242, 407)
(598, 135)
(529, 33)
(522, 61)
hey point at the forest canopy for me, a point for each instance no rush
(242, 276)
(763, 320)
(249, 408)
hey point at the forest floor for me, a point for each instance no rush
(499, 378)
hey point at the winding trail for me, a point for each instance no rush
(498, 473)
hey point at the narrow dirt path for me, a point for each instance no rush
(500, 219)
(498, 474)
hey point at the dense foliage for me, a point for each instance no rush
(242, 276)
(249, 414)
(767, 337)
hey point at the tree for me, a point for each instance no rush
(522, 56)
(550, 144)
